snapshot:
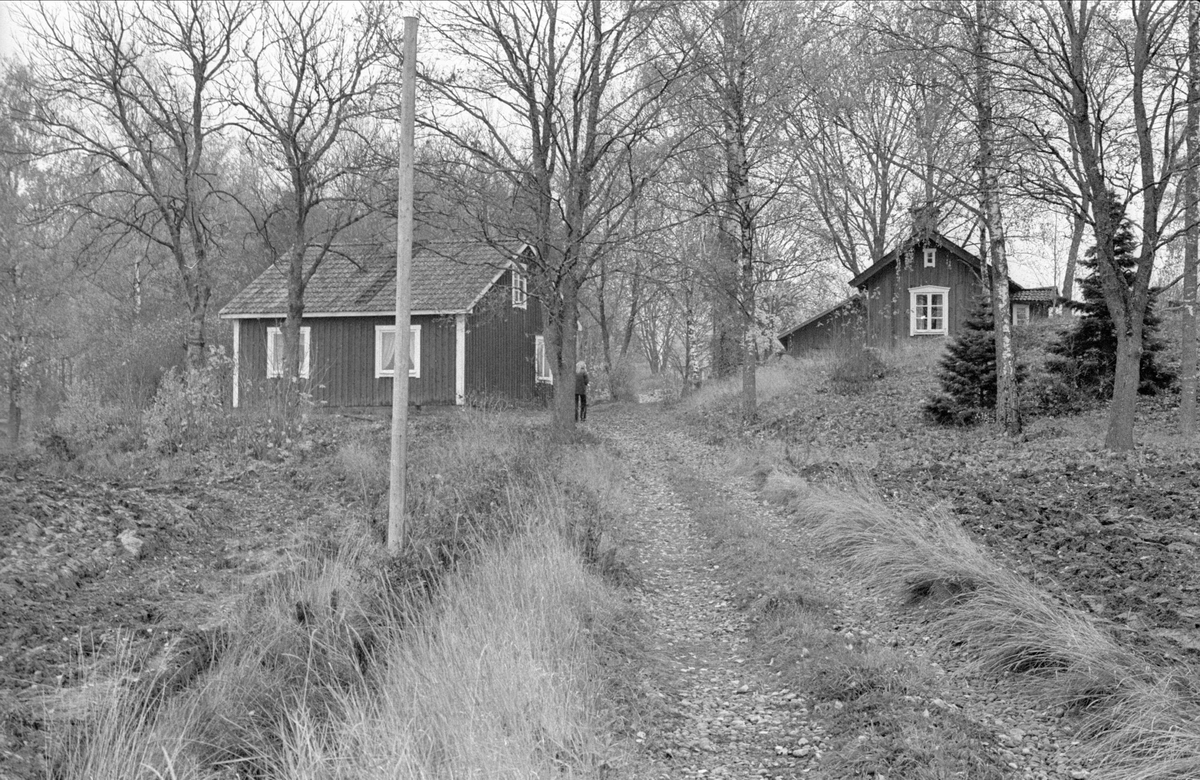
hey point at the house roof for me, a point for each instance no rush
(823, 313)
(447, 277)
(954, 249)
(890, 257)
(1036, 295)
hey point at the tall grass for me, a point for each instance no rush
(474, 654)
(498, 684)
(872, 699)
(302, 641)
(1144, 720)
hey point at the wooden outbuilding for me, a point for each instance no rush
(922, 289)
(476, 331)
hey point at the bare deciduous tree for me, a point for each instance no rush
(1114, 81)
(311, 79)
(562, 101)
(747, 57)
(133, 87)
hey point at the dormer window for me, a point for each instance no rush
(930, 257)
(520, 289)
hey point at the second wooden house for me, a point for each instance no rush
(922, 289)
(476, 331)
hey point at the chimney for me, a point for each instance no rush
(926, 218)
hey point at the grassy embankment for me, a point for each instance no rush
(484, 651)
(1141, 721)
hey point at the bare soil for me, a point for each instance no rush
(1113, 534)
(149, 557)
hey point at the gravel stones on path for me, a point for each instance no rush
(725, 711)
(729, 718)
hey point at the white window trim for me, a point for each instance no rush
(237, 360)
(930, 257)
(460, 359)
(414, 350)
(540, 359)
(520, 289)
(275, 336)
(1022, 307)
(913, 292)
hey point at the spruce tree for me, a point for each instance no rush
(968, 370)
(1085, 357)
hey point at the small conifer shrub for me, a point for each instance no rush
(968, 371)
(1085, 357)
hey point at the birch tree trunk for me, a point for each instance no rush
(1187, 359)
(1008, 412)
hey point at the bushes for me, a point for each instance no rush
(622, 381)
(86, 421)
(187, 407)
(184, 414)
(187, 414)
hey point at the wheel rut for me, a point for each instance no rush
(728, 715)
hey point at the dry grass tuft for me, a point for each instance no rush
(928, 558)
(364, 464)
(1150, 732)
(1145, 722)
(496, 685)
(1011, 627)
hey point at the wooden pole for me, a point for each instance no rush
(404, 232)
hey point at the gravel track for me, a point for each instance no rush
(728, 713)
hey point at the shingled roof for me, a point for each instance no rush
(1036, 295)
(447, 277)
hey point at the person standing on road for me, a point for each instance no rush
(581, 384)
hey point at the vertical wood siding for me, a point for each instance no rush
(342, 361)
(252, 361)
(500, 345)
(840, 329)
(888, 298)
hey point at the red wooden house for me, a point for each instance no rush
(476, 332)
(922, 289)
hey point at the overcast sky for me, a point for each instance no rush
(6, 26)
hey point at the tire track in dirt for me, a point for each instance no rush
(728, 716)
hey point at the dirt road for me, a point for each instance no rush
(729, 709)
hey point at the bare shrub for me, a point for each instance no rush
(88, 420)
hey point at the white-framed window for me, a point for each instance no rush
(541, 361)
(1020, 313)
(275, 352)
(385, 351)
(930, 257)
(927, 311)
(520, 289)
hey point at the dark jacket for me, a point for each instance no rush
(581, 383)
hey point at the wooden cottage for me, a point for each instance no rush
(922, 289)
(476, 332)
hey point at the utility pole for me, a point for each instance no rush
(402, 347)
